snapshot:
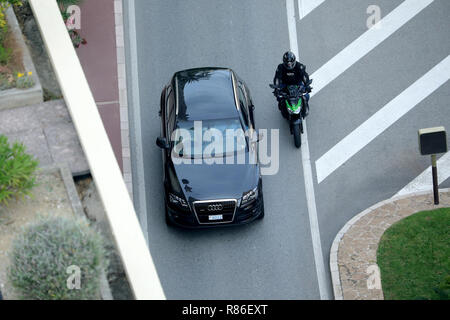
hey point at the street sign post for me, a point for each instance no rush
(433, 141)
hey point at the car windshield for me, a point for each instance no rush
(208, 138)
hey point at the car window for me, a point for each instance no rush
(227, 138)
(249, 97)
(170, 111)
(243, 106)
(169, 101)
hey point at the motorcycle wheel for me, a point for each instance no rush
(297, 136)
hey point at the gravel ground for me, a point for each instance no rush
(50, 199)
(93, 209)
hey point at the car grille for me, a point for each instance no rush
(205, 209)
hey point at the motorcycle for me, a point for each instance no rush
(292, 97)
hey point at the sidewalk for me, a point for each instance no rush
(353, 256)
(47, 131)
(103, 62)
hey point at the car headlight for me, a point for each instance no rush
(249, 196)
(179, 201)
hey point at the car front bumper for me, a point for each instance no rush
(243, 215)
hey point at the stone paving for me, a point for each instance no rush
(353, 261)
(47, 131)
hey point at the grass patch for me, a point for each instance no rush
(414, 257)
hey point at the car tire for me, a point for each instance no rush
(168, 221)
(297, 136)
(261, 215)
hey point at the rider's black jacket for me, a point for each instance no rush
(283, 76)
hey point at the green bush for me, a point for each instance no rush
(3, 32)
(5, 55)
(17, 171)
(43, 253)
(11, 2)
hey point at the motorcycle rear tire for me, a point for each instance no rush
(297, 136)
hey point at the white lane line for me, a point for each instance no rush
(324, 291)
(367, 42)
(306, 6)
(382, 120)
(424, 181)
(140, 197)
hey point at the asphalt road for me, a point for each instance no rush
(274, 258)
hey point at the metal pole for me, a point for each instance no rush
(435, 179)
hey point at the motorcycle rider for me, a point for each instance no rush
(291, 72)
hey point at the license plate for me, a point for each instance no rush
(215, 217)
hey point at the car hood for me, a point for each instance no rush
(216, 181)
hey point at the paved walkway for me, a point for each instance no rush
(103, 62)
(47, 131)
(99, 61)
(353, 258)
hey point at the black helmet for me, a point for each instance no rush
(289, 60)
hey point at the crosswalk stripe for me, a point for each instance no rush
(424, 181)
(366, 43)
(306, 6)
(382, 120)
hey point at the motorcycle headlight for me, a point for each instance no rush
(249, 196)
(176, 200)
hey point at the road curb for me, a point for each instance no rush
(14, 97)
(123, 100)
(335, 263)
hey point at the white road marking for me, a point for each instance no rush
(367, 42)
(383, 119)
(424, 181)
(307, 171)
(306, 6)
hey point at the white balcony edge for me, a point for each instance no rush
(125, 227)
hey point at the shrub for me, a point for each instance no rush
(43, 255)
(5, 55)
(17, 171)
(67, 3)
(11, 2)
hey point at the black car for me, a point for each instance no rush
(216, 187)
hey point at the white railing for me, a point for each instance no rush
(119, 209)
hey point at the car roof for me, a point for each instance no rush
(204, 94)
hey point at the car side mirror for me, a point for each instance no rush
(162, 143)
(260, 136)
(257, 136)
